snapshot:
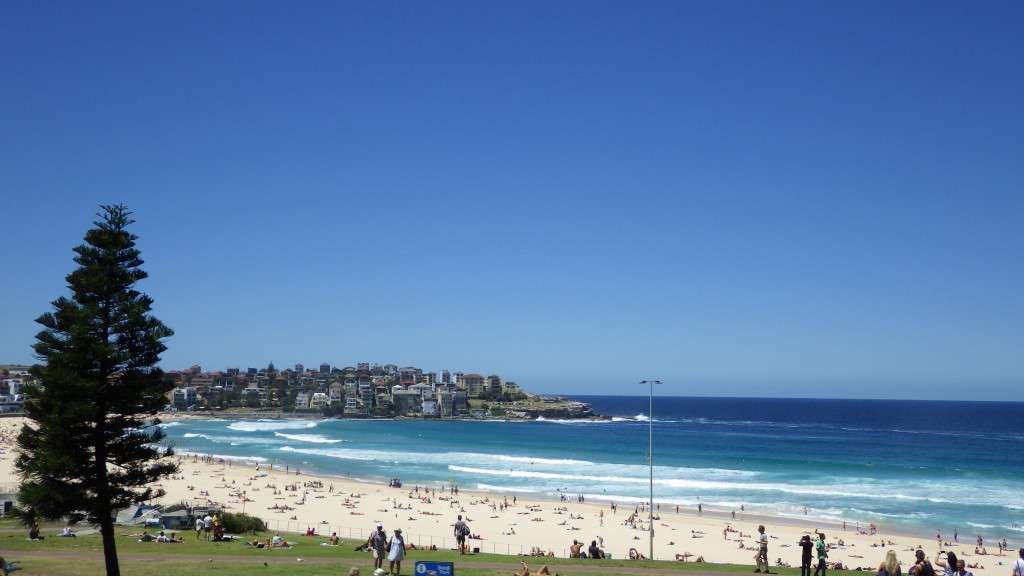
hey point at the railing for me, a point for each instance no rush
(420, 540)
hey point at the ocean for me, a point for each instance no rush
(915, 466)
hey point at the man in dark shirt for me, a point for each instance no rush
(378, 544)
(806, 554)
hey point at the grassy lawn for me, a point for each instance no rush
(82, 556)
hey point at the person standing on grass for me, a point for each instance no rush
(378, 546)
(822, 549)
(761, 558)
(807, 548)
(461, 532)
(396, 553)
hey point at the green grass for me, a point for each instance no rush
(82, 556)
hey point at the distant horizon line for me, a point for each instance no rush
(839, 399)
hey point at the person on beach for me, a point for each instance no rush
(461, 531)
(890, 566)
(922, 567)
(1018, 566)
(396, 553)
(807, 547)
(822, 549)
(575, 549)
(378, 544)
(949, 564)
(761, 557)
(594, 551)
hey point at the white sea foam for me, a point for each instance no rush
(442, 458)
(696, 483)
(612, 420)
(222, 456)
(529, 466)
(576, 421)
(550, 461)
(499, 489)
(313, 438)
(908, 516)
(233, 440)
(268, 425)
(976, 525)
(346, 455)
(169, 424)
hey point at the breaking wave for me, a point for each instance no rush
(313, 438)
(268, 425)
(231, 457)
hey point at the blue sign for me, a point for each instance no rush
(434, 569)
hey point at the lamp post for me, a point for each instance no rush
(650, 461)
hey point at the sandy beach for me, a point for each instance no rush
(508, 523)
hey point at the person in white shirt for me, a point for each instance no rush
(1018, 566)
(762, 551)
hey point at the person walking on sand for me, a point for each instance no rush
(822, 549)
(761, 557)
(461, 531)
(378, 546)
(396, 553)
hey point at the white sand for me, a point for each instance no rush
(352, 508)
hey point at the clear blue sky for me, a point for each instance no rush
(742, 198)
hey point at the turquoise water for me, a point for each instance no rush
(923, 466)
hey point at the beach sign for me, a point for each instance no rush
(434, 569)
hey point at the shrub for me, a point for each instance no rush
(237, 523)
(175, 508)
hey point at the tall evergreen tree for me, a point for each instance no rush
(88, 449)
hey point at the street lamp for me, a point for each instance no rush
(650, 461)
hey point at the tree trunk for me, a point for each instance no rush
(103, 506)
(109, 545)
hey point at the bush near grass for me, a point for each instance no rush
(237, 523)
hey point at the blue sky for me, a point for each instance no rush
(742, 198)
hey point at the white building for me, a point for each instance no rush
(319, 400)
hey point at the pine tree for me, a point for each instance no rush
(88, 449)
